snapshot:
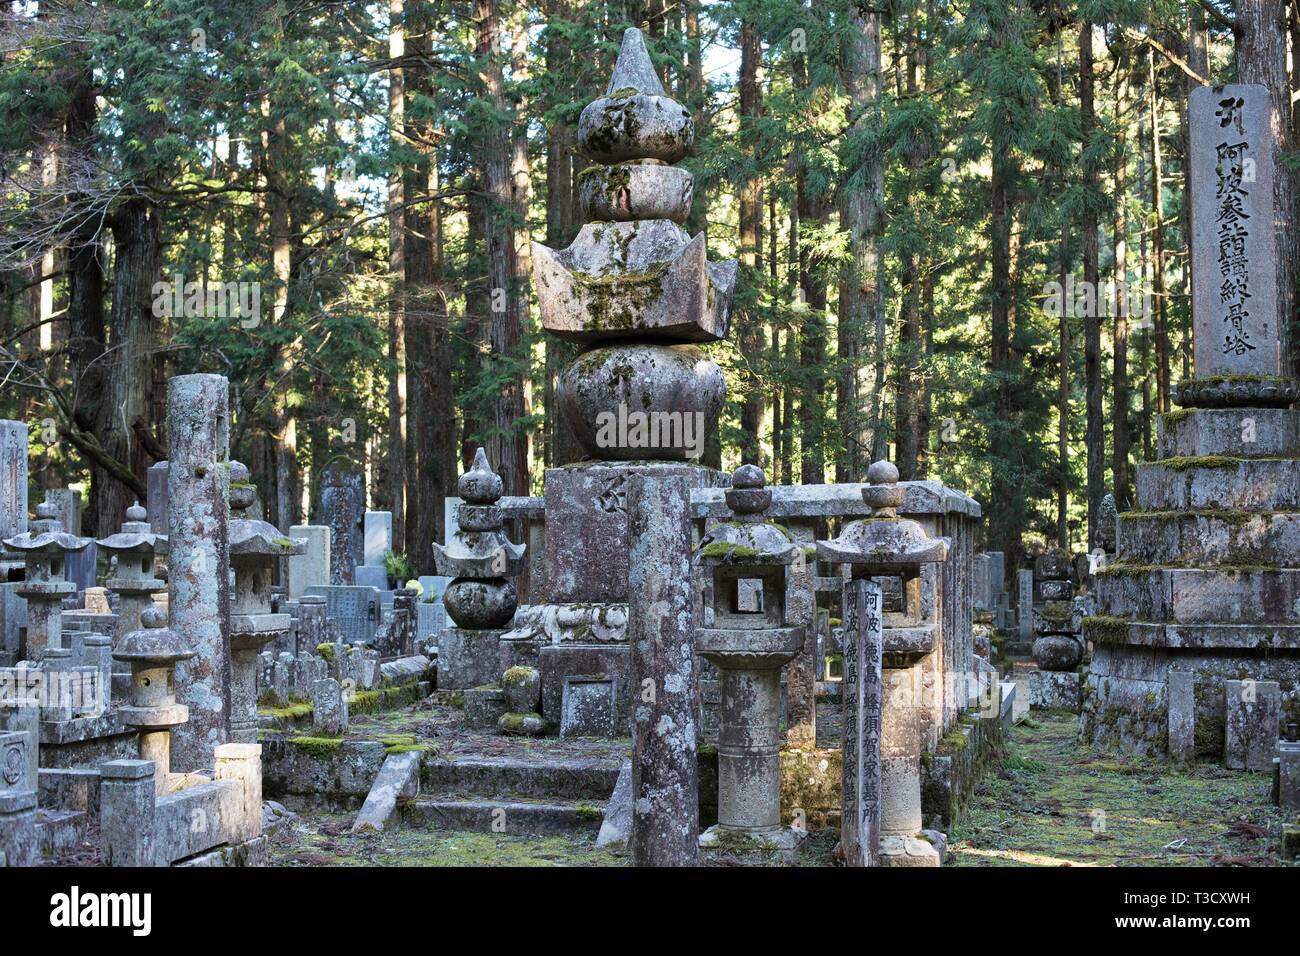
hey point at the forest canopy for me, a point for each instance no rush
(962, 230)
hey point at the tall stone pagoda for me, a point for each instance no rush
(1205, 588)
(639, 296)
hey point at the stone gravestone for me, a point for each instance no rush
(1251, 728)
(13, 522)
(1234, 254)
(354, 609)
(329, 708)
(67, 508)
(997, 575)
(342, 504)
(79, 567)
(378, 527)
(1025, 587)
(451, 515)
(862, 696)
(1182, 716)
(19, 839)
(156, 502)
(312, 567)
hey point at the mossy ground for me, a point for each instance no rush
(322, 839)
(1052, 793)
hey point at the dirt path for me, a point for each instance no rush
(1057, 803)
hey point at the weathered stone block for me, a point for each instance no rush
(586, 527)
(1252, 714)
(589, 706)
(1055, 690)
(468, 658)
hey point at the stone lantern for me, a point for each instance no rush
(256, 548)
(886, 546)
(44, 547)
(152, 651)
(749, 639)
(135, 548)
(481, 599)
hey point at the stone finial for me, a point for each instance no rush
(636, 118)
(242, 491)
(748, 497)
(884, 542)
(882, 493)
(136, 512)
(480, 485)
(46, 511)
(634, 70)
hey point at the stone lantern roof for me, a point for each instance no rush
(887, 543)
(155, 644)
(135, 536)
(748, 539)
(46, 535)
(252, 536)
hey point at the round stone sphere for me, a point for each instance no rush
(1058, 652)
(641, 402)
(481, 604)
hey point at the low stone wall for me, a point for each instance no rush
(950, 775)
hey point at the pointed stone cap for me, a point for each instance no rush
(479, 549)
(634, 70)
(480, 485)
(636, 119)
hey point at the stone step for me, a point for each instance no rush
(1200, 595)
(1208, 483)
(1209, 537)
(553, 778)
(510, 818)
(1104, 630)
(1229, 431)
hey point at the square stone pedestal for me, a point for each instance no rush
(586, 526)
(468, 658)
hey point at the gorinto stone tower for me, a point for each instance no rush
(639, 295)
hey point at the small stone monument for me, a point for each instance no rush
(1203, 581)
(45, 548)
(481, 599)
(135, 547)
(256, 548)
(152, 651)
